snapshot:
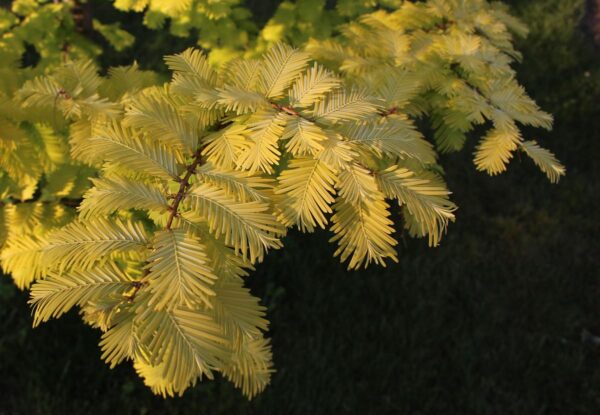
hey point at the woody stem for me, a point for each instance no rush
(289, 110)
(184, 185)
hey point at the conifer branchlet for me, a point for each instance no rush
(183, 187)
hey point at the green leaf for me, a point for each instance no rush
(118, 38)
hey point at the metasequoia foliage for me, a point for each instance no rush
(40, 184)
(227, 29)
(55, 30)
(448, 61)
(194, 181)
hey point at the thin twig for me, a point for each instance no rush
(137, 285)
(290, 111)
(389, 111)
(184, 184)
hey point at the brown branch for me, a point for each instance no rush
(389, 111)
(184, 184)
(290, 111)
(137, 285)
(82, 17)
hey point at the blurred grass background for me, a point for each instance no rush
(488, 323)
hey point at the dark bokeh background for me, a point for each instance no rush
(488, 323)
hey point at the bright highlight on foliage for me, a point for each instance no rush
(186, 185)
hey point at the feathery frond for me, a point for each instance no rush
(80, 245)
(184, 344)
(235, 99)
(312, 86)
(243, 186)
(190, 64)
(121, 342)
(345, 105)
(178, 271)
(398, 138)
(495, 151)
(545, 160)
(155, 113)
(237, 311)
(113, 193)
(307, 193)
(195, 180)
(280, 67)
(356, 184)
(250, 367)
(363, 232)
(22, 258)
(129, 150)
(265, 129)
(246, 226)
(424, 195)
(243, 73)
(224, 147)
(57, 294)
(305, 137)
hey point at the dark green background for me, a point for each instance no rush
(488, 323)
